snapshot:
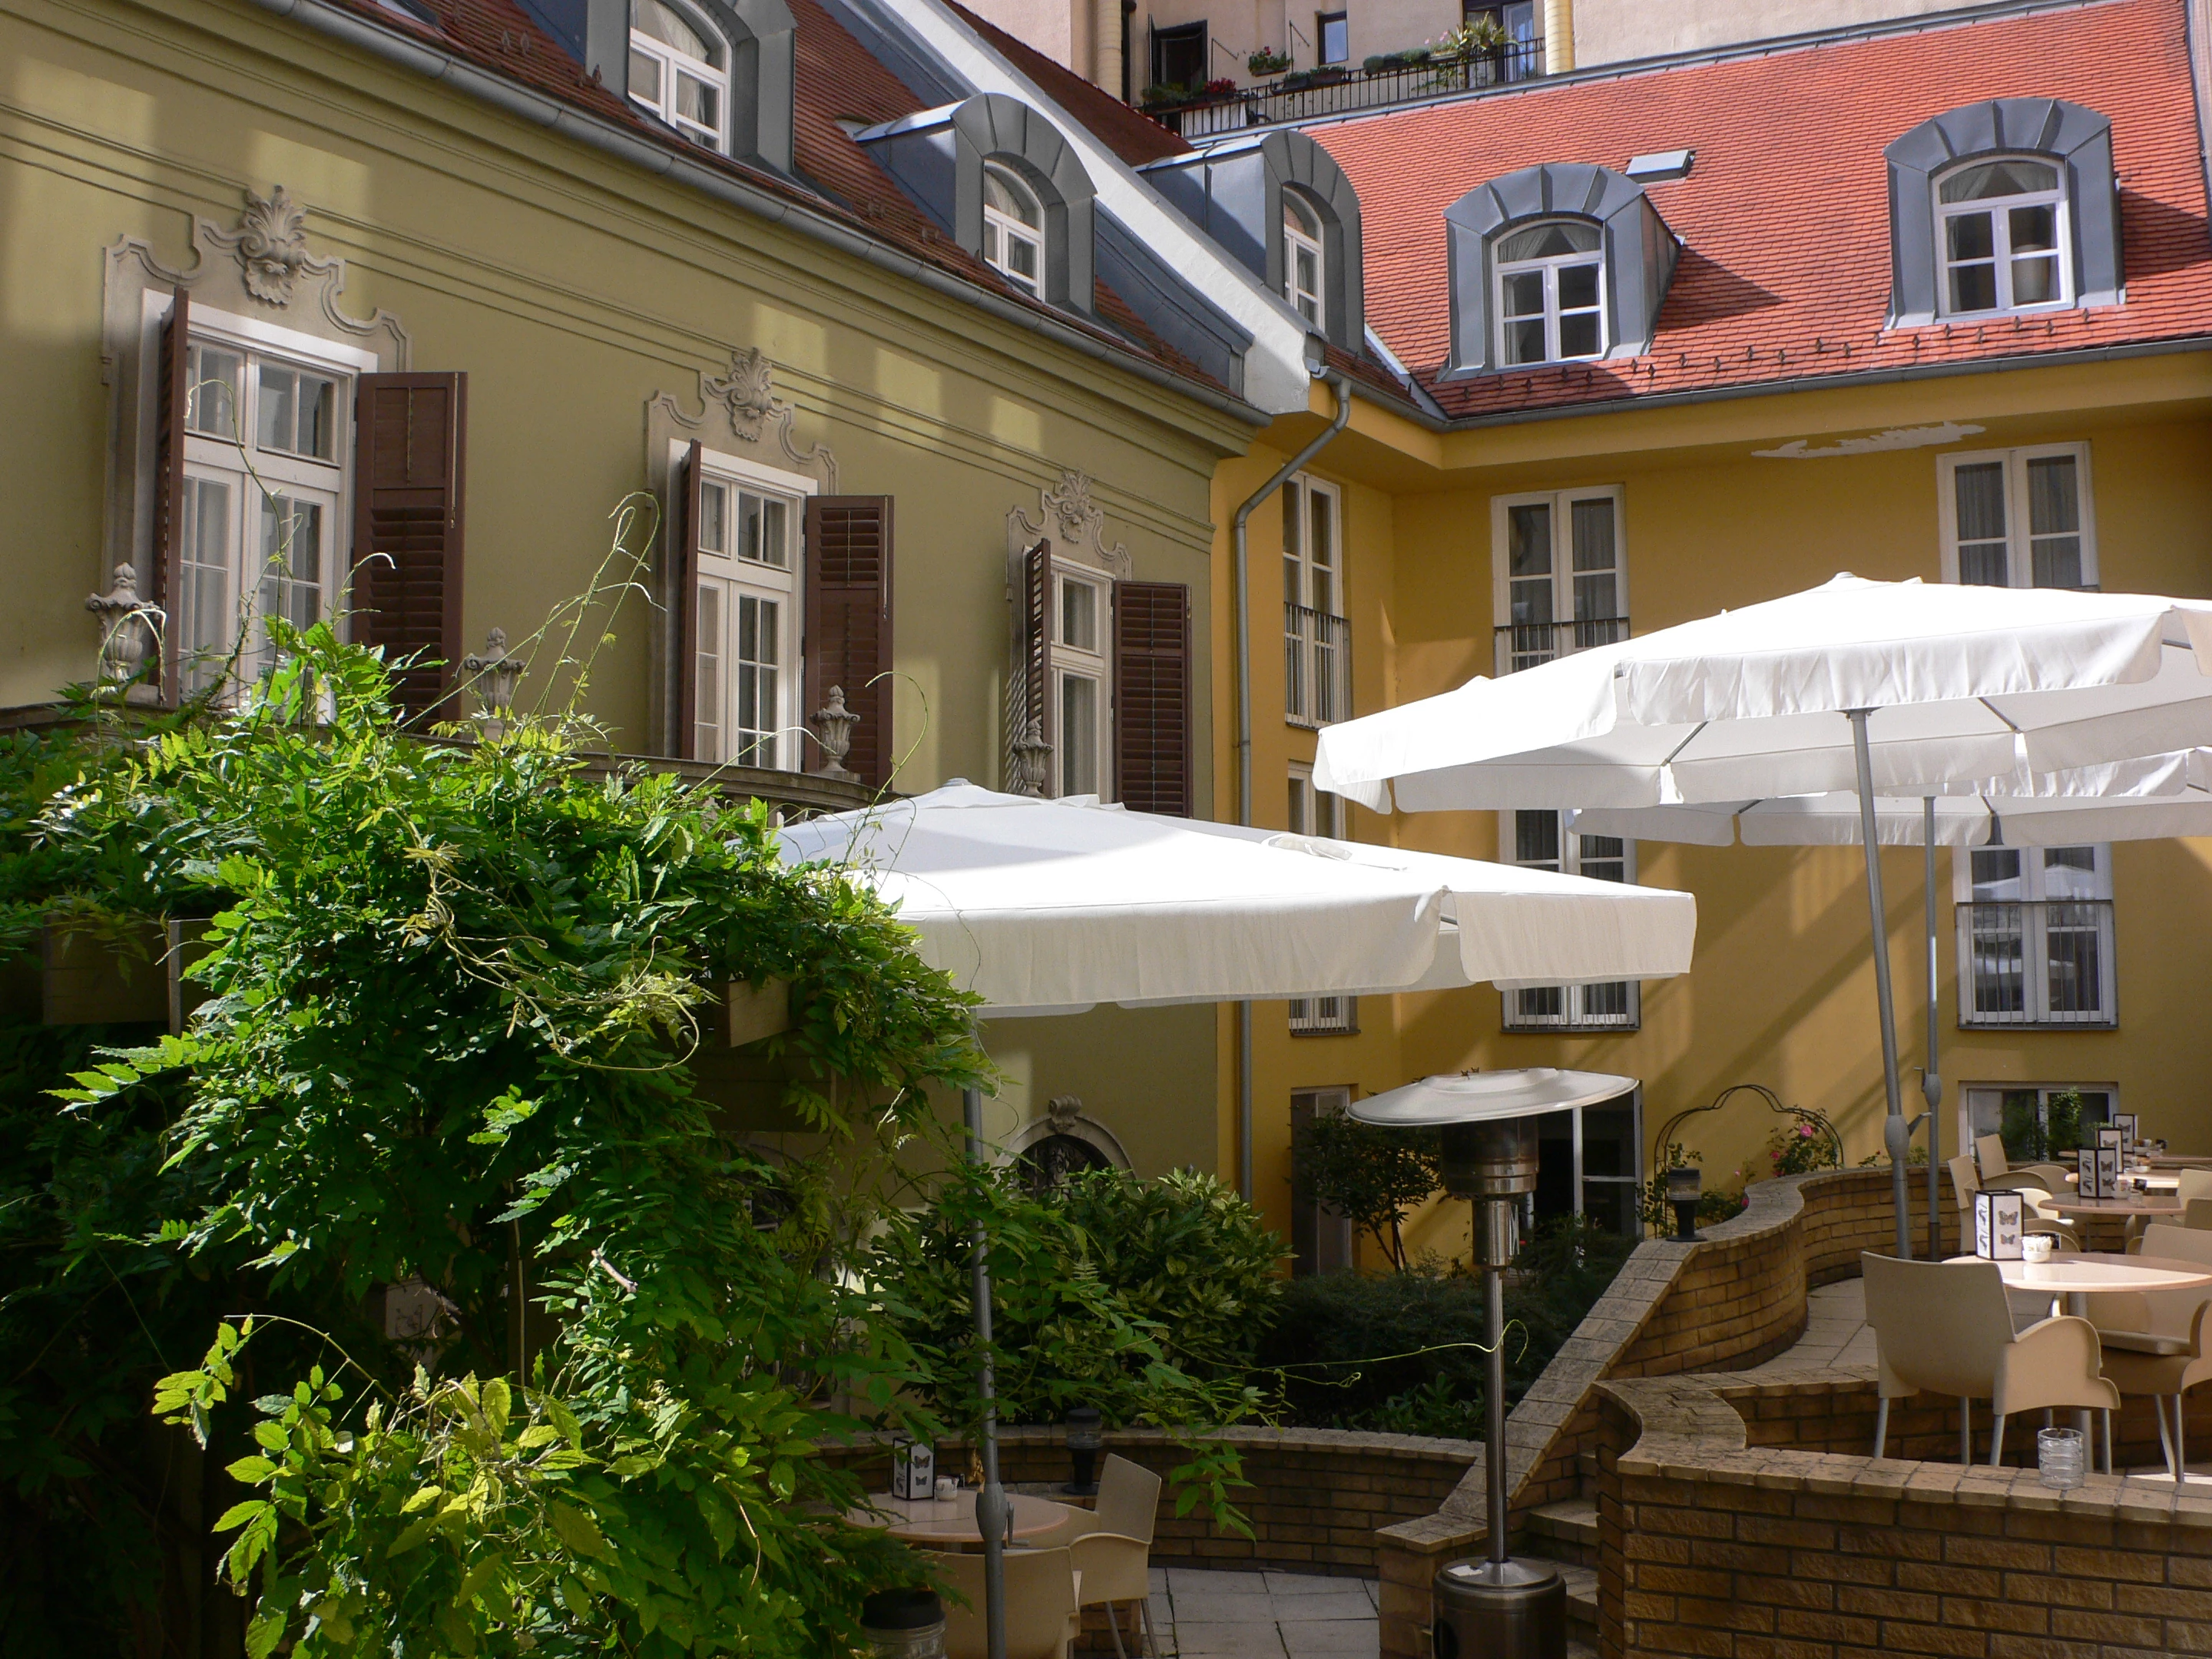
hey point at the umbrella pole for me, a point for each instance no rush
(991, 1504)
(1931, 1079)
(1894, 1132)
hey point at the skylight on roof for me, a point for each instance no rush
(1660, 165)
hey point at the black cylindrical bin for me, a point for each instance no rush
(904, 1624)
(1501, 1610)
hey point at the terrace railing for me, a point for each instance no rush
(1523, 645)
(1338, 89)
(2045, 962)
(1317, 666)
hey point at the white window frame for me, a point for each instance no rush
(1317, 637)
(1969, 1131)
(1073, 662)
(1311, 812)
(733, 580)
(670, 61)
(1002, 229)
(327, 483)
(1310, 303)
(2019, 549)
(1561, 503)
(1550, 265)
(1999, 210)
(1576, 1010)
(2035, 944)
(1632, 1182)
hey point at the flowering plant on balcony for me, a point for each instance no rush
(1267, 61)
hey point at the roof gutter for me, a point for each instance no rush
(1342, 387)
(598, 133)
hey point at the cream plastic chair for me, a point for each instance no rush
(1112, 1545)
(1946, 1327)
(2197, 1214)
(2155, 1342)
(1041, 1620)
(1990, 1157)
(2194, 1183)
(2038, 1217)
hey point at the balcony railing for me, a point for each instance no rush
(1523, 645)
(1317, 666)
(2044, 963)
(1324, 1016)
(1332, 91)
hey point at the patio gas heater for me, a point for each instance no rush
(1499, 1608)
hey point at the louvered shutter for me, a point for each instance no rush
(1152, 696)
(683, 591)
(848, 623)
(1037, 700)
(410, 436)
(165, 581)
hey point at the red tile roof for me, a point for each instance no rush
(1130, 134)
(1786, 269)
(834, 78)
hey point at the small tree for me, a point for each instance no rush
(1371, 1176)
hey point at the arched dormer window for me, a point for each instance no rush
(1999, 235)
(1305, 258)
(1561, 263)
(2003, 206)
(1274, 203)
(1550, 297)
(1013, 226)
(679, 69)
(1001, 179)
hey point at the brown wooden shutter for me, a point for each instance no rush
(1037, 641)
(165, 581)
(409, 438)
(683, 581)
(1152, 696)
(849, 624)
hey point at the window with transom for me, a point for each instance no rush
(679, 69)
(264, 529)
(1550, 293)
(2000, 231)
(748, 684)
(1083, 619)
(1304, 258)
(1559, 573)
(2019, 518)
(1317, 635)
(1014, 227)
(2035, 936)
(1542, 840)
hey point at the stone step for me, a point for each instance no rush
(1570, 1521)
(1582, 1597)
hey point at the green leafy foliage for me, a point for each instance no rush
(1405, 1352)
(453, 993)
(1371, 1175)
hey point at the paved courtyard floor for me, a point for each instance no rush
(1261, 1615)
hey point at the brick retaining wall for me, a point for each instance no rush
(1732, 1301)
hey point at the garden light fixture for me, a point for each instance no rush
(1083, 1443)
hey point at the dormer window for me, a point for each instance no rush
(679, 69)
(1014, 227)
(1550, 293)
(1304, 260)
(2000, 236)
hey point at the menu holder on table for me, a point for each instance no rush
(2125, 1123)
(2112, 1157)
(913, 1470)
(1997, 1217)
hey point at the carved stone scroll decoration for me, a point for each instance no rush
(270, 243)
(746, 393)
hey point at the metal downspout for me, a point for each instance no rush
(1243, 625)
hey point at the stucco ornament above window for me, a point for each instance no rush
(748, 391)
(270, 243)
(1553, 307)
(2003, 206)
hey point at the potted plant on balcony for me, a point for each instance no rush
(1164, 95)
(1267, 61)
(1215, 91)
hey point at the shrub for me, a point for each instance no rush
(1368, 1175)
(1405, 1352)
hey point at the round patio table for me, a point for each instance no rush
(951, 1522)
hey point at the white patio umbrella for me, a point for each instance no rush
(1902, 688)
(1054, 906)
(1957, 821)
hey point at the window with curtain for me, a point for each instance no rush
(2019, 518)
(2035, 936)
(1317, 812)
(1317, 635)
(1559, 573)
(264, 519)
(679, 69)
(1014, 227)
(1550, 293)
(2000, 234)
(748, 653)
(1542, 840)
(1302, 257)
